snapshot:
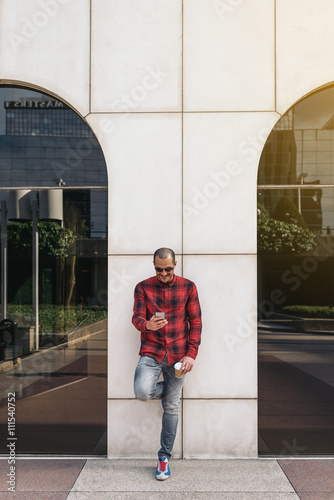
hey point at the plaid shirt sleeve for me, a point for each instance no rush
(139, 318)
(195, 321)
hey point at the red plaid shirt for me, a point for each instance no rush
(179, 300)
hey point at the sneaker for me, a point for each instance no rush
(163, 471)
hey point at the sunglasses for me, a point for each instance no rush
(161, 269)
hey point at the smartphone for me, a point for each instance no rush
(160, 315)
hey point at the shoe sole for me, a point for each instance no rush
(160, 478)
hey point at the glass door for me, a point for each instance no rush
(53, 329)
(295, 282)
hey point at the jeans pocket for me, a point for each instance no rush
(148, 361)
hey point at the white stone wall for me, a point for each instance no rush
(182, 96)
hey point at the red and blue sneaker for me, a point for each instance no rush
(163, 471)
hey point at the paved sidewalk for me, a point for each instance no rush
(102, 479)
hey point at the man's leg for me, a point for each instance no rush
(170, 418)
(146, 385)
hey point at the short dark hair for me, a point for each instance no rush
(164, 253)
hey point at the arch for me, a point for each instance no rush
(295, 266)
(53, 314)
(32, 86)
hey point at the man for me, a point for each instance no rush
(165, 341)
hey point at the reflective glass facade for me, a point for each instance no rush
(295, 284)
(43, 117)
(53, 329)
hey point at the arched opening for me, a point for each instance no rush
(295, 281)
(53, 329)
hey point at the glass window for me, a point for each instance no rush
(53, 329)
(295, 282)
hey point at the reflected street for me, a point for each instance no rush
(296, 391)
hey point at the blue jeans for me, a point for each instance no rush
(146, 386)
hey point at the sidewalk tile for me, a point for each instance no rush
(41, 475)
(187, 476)
(311, 477)
(208, 495)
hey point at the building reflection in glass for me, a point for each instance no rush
(61, 387)
(295, 291)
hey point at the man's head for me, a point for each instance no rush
(164, 263)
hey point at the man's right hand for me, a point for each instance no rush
(156, 323)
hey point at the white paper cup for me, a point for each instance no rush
(178, 371)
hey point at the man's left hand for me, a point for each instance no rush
(187, 364)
